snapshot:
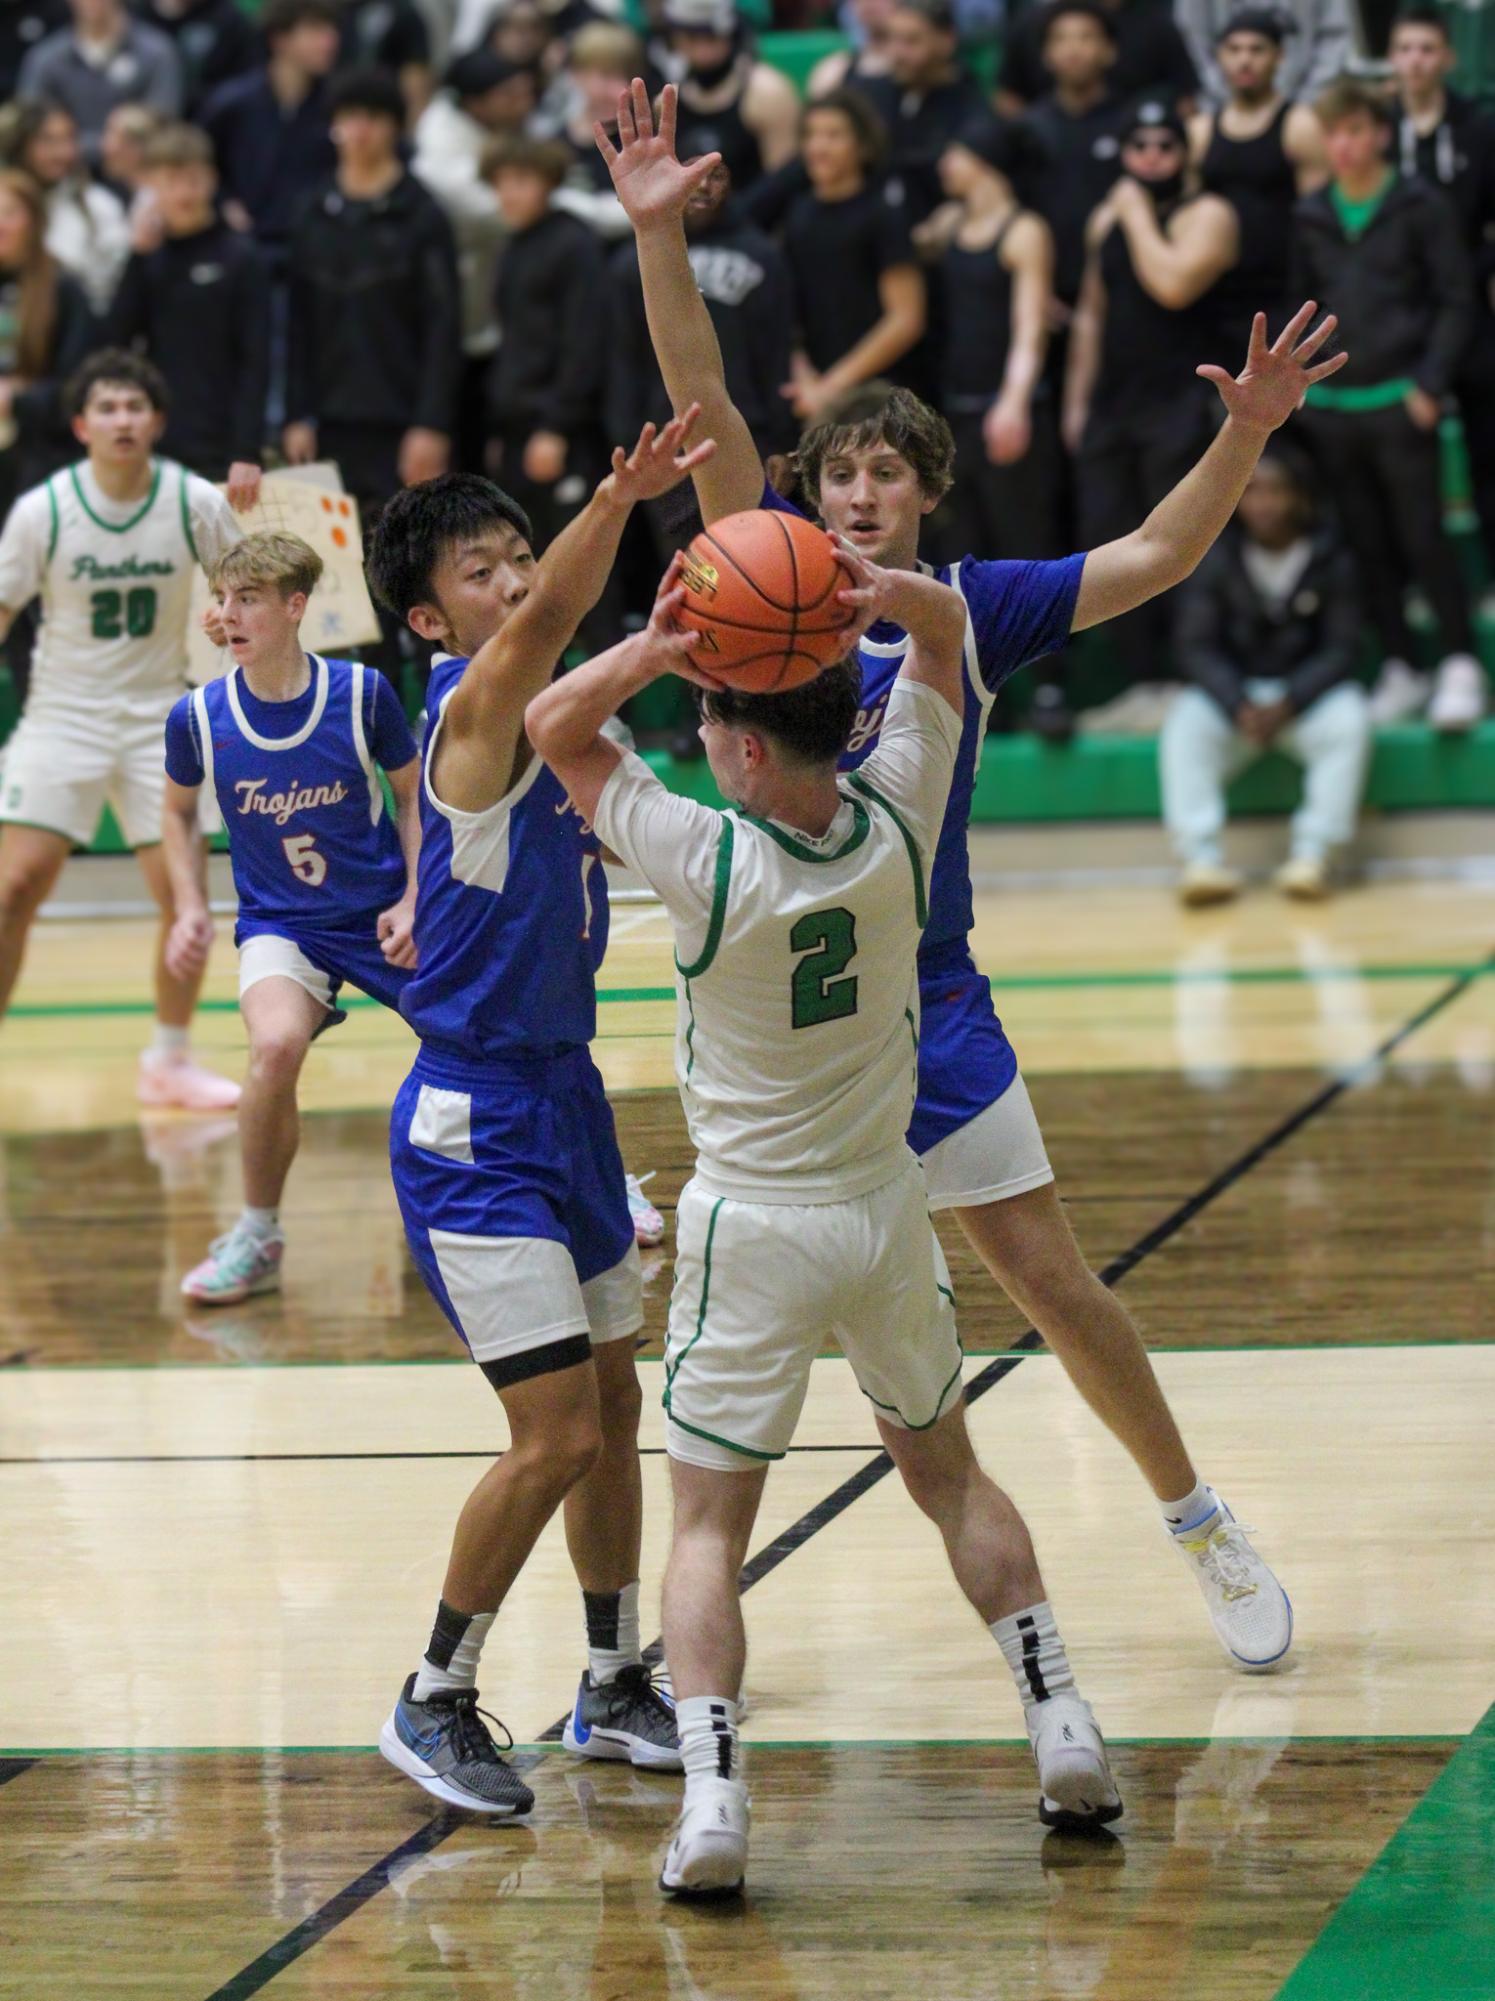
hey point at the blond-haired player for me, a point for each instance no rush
(110, 546)
(291, 746)
(797, 918)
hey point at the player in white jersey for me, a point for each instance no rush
(796, 918)
(110, 546)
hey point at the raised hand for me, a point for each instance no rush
(660, 459)
(869, 591)
(650, 182)
(1275, 379)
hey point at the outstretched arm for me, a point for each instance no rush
(654, 188)
(564, 723)
(1183, 525)
(478, 755)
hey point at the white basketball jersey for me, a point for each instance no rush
(116, 586)
(798, 1037)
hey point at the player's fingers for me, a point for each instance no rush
(643, 117)
(1222, 378)
(1322, 368)
(701, 167)
(1311, 343)
(667, 101)
(697, 455)
(1287, 340)
(605, 145)
(645, 443)
(626, 132)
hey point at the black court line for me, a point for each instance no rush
(312, 1930)
(486, 1453)
(12, 1768)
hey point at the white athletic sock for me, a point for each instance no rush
(708, 1737)
(612, 1631)
(452, 1657)
(169, 1041)
(1189, 1515)
(1035, 1653)
(261, 1223)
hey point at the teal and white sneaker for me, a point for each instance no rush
(236, 1267)
(628, 1717)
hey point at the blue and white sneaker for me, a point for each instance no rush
(1251, 1613)
(444, 1745)
(629, 1717)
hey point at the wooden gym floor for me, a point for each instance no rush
(221, 1535)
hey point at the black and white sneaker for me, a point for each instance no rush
(444, 1745)
(629, 1717)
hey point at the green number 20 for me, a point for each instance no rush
(829, 940)
(116, 613)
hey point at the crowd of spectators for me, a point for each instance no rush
(379, 231)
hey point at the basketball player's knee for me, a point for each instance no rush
(564, 1454)
(276, 1057)
(622, 1401)
(23, 890)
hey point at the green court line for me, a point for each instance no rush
(1420, 1923)
(1239, 976)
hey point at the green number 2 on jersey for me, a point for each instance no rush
(829, 940)
(116, 613)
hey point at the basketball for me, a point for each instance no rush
(760, 588)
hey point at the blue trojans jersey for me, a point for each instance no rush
(311, 845)
(511, 914)
(1015, 612)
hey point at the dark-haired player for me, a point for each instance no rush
(505, 1161)
(797, 921)
(110, 546)
(874, 473)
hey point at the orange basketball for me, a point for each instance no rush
(760, 588)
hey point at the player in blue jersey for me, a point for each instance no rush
(291, 746)
(505, 1161)
(873, 475)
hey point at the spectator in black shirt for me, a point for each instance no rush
(1266, 634)
(215, 42)
(199, 307)
(392, 35)
(860, 298)
(269, 129)
(545, 389)
(923, 100)
(1151, 55)
(375, 319)
(1449, 140)
(1075, 130)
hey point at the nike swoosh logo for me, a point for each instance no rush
(582, 1732)
(421, 1742)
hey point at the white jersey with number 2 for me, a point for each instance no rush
(797, 1038)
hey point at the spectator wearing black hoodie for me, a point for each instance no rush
(923, 100)
(1384, 253)
(269, 128)
(546, 384)
(215, 41)
(199, 306)
(1266, 634)
(1449, 141)
(24, 23)
(375, 313)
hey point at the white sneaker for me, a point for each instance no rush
(1400, 691)
(1305, 879)
(1076, 1790)
(1204, 883)
(238, 1266)
(648, 1224)
(1459, 694)
(1251, 1613)
(707, 1855)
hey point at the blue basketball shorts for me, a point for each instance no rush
(320, 961)
(511, 1188)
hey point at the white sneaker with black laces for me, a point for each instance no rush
(707, 1855)
(1251, 1613)
(1076, 1791)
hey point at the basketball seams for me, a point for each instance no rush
(789, 648)
(794, 633)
